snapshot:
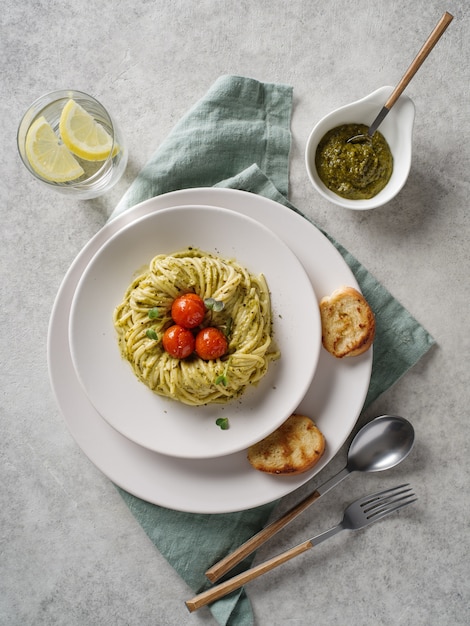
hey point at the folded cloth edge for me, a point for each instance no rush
(264, 111)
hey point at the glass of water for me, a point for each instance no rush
(70, 142)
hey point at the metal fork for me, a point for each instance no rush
(358, 515)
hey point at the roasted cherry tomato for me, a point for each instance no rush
(188, 310)
(211, 343)
(178, 341)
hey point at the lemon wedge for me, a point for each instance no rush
(83, 135)
(47, 156)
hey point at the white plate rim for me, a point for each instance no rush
(157, 423)
(214, 485)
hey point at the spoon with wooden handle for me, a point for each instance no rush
(431, 41)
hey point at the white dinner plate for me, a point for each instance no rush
(334, 399)
(164, 425)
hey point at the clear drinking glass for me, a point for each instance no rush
(96, 176)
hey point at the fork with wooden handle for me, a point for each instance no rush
(358, 515)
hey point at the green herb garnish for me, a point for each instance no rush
(222, 422)
(222, 379)
(214, 305)
(154, 313)
(151, 334)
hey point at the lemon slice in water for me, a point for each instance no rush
(83, 135)
(47, 156)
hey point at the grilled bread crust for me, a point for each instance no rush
(295, 447)
(348, 323)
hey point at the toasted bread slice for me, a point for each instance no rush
(348, 323)
(295, 447)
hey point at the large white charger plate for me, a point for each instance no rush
(164, 425)
(225, 484)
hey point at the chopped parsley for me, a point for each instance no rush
(222, 379)
(222, 422)
(214, 305)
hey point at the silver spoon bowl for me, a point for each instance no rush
(381, 444)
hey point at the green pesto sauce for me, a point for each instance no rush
(356, 171)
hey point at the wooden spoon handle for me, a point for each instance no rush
(226, 564)
(432, 40)
(236, 582)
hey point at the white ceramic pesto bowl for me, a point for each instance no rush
(397, 128)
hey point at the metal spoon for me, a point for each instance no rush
(379, 445)
(431, 41)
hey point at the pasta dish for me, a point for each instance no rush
(237, 304)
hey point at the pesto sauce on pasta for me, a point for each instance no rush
(193, 381)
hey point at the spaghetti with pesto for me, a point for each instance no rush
(145, 313)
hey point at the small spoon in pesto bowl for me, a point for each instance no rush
(419, 59)
(396, 128)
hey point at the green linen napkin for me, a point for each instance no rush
(238, 136)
